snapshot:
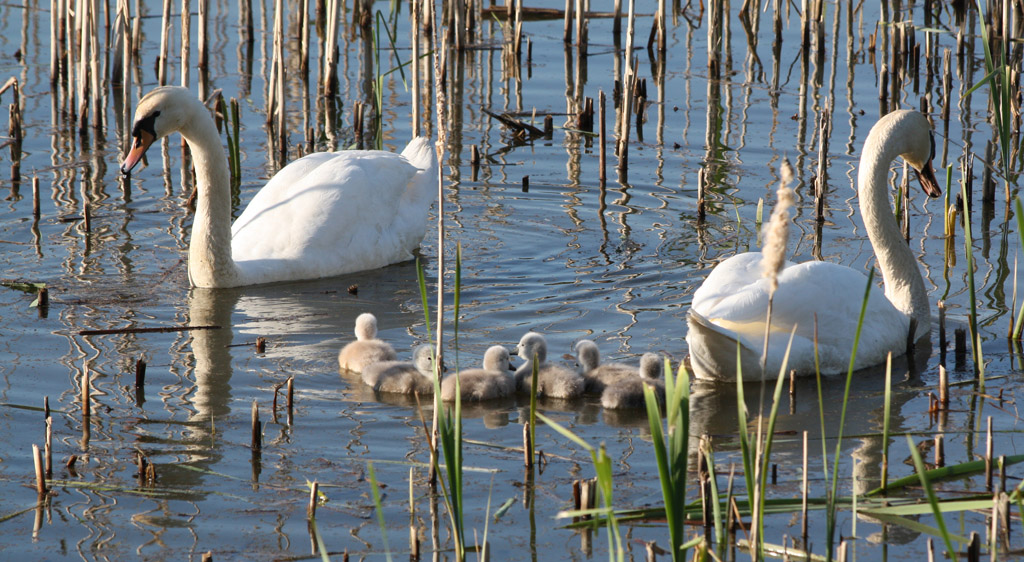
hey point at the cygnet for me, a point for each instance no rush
(554, 381)
(495, 380)
(367, 349)
(401, 377)
(628, 392)
(595, 375)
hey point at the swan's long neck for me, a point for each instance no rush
(209, 254)
(904, 286)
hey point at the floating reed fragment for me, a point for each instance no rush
(144, 330)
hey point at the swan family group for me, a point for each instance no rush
(328, 214)
(619, 385)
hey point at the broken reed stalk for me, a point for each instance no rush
(140, 373)
(257, 435)
(330, 78)
(414, 43)
(602, 173)
(567, 22)
(35, 198)
(303, 21)
(165, 31)
(989, 454)
(314, 490)
(48, 447)
(626, 102)
(186, 42)
(37, 460)
(203, 62)
(581, 23)
(943, 387)
(820, 182)
(86, 402)
(56, 46)
(290, 386)
(86, 220)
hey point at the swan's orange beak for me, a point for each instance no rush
(928, 182)
(140, 142)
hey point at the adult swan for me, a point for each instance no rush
(731, 305)
(326, 214)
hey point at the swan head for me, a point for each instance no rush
(423, 358)
(587, 355)
(496, 358)
(532, 344)
(911, 133)
(162, 111)
(366, 326)
(651, 366)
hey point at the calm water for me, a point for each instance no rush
(567, 258)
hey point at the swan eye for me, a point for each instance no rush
(146, 124)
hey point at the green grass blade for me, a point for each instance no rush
(887, 409)
(375, 493)
(830, 528)
(921, 474)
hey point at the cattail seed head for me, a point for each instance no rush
(777, 229)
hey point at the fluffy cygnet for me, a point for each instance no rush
(493, 381)
(401, 377)
(595, 375)
(367, 349)
(554, 381)
(628, 392)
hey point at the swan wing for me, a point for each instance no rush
(810, 294)
(328, 214)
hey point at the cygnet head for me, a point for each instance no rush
(423, 358)
(366, 326)
(496, 358)
(651, 366)
(532, 344)
(587, 355)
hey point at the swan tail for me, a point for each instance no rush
(713, 351)
(420, 153)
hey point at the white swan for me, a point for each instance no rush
(367, 349)
(731, 305)
(554, 381)
(495, 380)
(401, 377)
(628, 391)
(325, 214)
